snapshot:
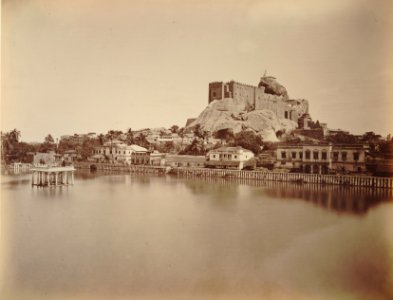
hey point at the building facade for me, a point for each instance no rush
(47, 159)
(322, 158)
(349, 158)
(140, 155)
(116, 152)
(224, 157)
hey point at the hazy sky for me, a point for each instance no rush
(77, 66)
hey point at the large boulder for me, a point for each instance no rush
(272, 86)
(224, 114)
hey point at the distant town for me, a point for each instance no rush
(243, 127)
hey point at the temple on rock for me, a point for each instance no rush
(269, 94)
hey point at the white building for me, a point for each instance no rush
(47, 159)
(229, 157)
(116, 152)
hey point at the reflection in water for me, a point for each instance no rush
(355, 200)
(15, 182)
(122, 236)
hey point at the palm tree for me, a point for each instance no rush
(8, 141)
(181, 133)
(111, 135)
(101, 139)
(15, 135)
(49, 139)
(198, 131)
(130, 136)
(174, 129)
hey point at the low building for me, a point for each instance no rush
(117, 152)
(47, 159)
(107, 151)
(92, 135)
(156, 158)
(192, 161)
(307, 158)
(165, 138)
(227, 157)
(139, 155)
(322, 158)
(349, 158)
(267, 159)
(69, 156)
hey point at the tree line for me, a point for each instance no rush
(13, 149)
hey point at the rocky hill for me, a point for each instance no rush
(235, 113)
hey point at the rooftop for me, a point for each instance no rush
(229, 149)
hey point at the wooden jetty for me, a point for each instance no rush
(52, 176)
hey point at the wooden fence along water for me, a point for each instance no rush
(145, 169)
(346, 180)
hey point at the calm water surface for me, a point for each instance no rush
(137, 237)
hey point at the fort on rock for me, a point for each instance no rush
(269, 94)
(265, 108)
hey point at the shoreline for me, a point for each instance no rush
(301, 178)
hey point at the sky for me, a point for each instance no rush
(78, 66)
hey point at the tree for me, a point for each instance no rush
(12, 149)
(163, 133)
(101, 139)
(195, 148)
(49, 139)
(66, 144)
(8, 142)
(14, 136)
(87, 147)
(181, 132)
(198, 132)
(249, 140)
(174, 129)
(372, 139)
(142, 141)
(225, 134)
(48, 144)
(343, 138)
(370, 136)
(46, 147)
(166, 147)
(111, 135)
(279, 133)
(386, 147)
(130, 136)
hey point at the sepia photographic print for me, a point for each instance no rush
(168, 149)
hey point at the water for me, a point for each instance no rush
(138, 237)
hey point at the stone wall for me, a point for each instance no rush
(255, 98)
(215, 91)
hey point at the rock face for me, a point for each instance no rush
(272, 86)
(225, 113)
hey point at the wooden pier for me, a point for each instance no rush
(52, 176)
